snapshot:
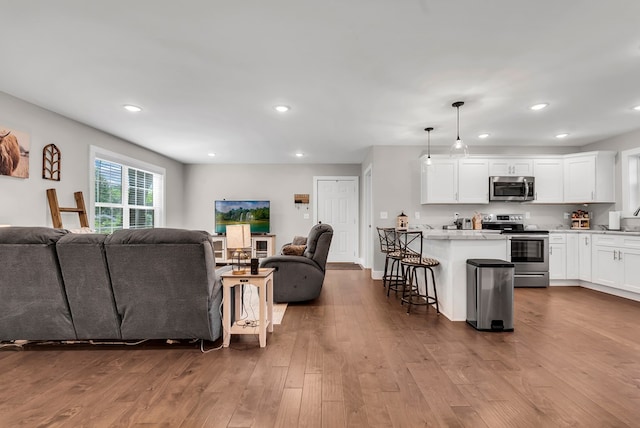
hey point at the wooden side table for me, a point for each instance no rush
(264, 282)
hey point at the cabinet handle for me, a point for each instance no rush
(550, 250)
(619, 255)
(614, 255)
(592, 195)
(586, 240)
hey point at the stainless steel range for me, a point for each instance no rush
(527, 249)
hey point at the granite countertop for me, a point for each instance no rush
(453, 235)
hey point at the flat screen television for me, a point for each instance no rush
(256, 213)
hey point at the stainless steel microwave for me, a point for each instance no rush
(511, 189)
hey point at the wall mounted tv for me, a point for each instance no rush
(256, 213)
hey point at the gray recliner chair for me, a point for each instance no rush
(300, 278)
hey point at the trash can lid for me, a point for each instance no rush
(489, 263)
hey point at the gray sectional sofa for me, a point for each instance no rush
(130, 285)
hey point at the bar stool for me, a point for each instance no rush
(411, 264)
(404, 240)
(388, 246)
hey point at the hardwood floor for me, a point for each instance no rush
(353, 358)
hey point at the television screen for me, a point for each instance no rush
(256, 213)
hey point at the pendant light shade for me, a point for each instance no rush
(458, 148)
(428, 144)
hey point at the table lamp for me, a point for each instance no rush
(239, 237)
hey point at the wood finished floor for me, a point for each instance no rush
(353, 358)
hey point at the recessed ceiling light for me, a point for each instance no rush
(213, 155)
(299, 155)
(539, 106)
(132, 108)
(563, 135)
(637, 108)
(282, 108)
(483, 136)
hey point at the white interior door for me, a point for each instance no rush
(336, 204)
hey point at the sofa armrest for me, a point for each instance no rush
(277, 261)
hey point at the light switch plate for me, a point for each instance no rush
(384, 215)
(417, 215)
(306, 216)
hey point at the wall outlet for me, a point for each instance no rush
(566, 216)
(417, 215)
(384, 215)
(527, 215)
(306, 216)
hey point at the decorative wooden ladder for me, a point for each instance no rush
(55, 208)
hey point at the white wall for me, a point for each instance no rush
(278, 183)
(23, 202)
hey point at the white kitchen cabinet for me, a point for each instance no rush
(511, 167)
(589, 177)
(473, 181)
(549, 177)
(584, 256)
(573, 256)
(616, 261)
(439, 181)
(557, 256)
(453, 181)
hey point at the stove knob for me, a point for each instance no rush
(519, 217)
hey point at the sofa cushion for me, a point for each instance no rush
(88, 286)
(33, 304)
(164, 283)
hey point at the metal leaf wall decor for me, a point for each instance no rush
(51, 162)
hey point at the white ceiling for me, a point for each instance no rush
(356, 73)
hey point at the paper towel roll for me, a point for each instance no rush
(614, 220)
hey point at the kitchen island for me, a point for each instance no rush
(452, 248)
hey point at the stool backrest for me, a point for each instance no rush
(388, 239)
(410, 243)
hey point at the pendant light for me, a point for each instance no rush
(458, 148)
(428, 144)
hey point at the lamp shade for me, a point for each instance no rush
(238, 236)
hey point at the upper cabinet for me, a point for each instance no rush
(453, 181)
(473, 181)
(511, 167)
(589, 177)
(575, 178)
(549, 177)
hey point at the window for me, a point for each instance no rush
(630, 163)
(125, 193)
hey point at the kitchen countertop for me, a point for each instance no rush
(600, 232)
(454, 235)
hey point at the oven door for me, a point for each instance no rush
(530, 255)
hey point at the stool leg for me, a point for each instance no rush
(385, 275)
(435, 290)
(406, 281)
(392, 275)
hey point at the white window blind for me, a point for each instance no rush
(125, 194)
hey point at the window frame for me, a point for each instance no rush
(159, 198)
(630, 181)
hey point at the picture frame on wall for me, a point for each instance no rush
(14, 153)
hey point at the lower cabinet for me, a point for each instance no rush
(584, 256)
(616, 262)
(557, 256)
(573, 256)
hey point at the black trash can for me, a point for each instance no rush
(490, 294)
